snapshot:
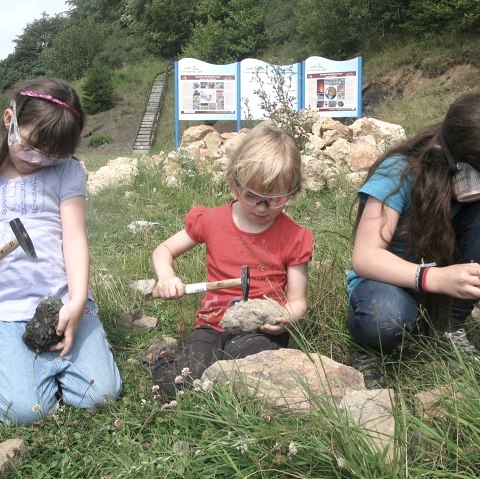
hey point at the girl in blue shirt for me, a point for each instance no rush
(416, 234)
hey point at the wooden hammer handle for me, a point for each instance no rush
(8, 248)
(207, 286)
(210, 285)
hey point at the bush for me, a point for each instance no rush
(99, 140)
(98, 91)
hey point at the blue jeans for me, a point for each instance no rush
(30, 382)
(381, 313)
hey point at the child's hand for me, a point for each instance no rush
(171, 288)
(458, 280)
(280, 327)
(69, 318)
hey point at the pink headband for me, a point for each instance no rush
(46, 96)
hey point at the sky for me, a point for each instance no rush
(16, 14)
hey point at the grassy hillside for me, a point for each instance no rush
(224, 433)
(405, 82)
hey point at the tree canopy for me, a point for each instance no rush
(118, 32)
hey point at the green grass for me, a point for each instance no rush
(225, 433)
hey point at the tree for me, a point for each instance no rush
(25, 62)
(97, 90)
(430, 18)
(169, 25)
(335, 28)
(74, 50)
(227, 31)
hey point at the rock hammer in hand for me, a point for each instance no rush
(243, 281)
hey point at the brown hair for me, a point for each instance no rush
(429, 171)
(54, 129)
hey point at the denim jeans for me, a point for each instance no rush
(380, 313)
(30, 383)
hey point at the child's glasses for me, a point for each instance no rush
(21, 147)
(252, 198)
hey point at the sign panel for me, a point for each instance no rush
(333, 88)
(206, 91)
(261, 81)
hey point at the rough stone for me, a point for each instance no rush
(10, 452)
(248, 316)
(138, 319)
(40, 332)
(289, 378)
(372, 409)
(143, 286)
(119, 170)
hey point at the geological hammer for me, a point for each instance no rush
(21, 239)
(243, 281)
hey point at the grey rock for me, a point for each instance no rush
(248, 316)
(40, 332)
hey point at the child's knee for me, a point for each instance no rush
(24, 409)
(381, 333)
(93, 395)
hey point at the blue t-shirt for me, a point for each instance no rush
(380, 185)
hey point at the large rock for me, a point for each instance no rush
(288, 377)
(297, 382)
(40, 333)
(117, 171)
(386, 134)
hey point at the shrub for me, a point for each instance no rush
(99, 140)
(98, 91)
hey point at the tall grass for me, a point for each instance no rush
(224, 432)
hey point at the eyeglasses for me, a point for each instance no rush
(21, 147)
(252, 198)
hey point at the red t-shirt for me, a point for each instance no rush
(268, 254)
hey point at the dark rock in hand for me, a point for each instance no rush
(40, 333)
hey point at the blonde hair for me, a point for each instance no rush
(266, 160)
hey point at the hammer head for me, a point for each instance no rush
(245, 282)
(22, 237)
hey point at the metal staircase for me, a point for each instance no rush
(148, 126)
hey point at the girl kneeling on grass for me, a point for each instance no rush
(264, 174)
(417, 237)
(43, 185)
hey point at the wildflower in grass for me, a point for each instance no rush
(36, 408)
(292, 449)
(185, 372)
(242, 447)
(169, 405)
(155, 388)
(178, 380)
(197, 384)
(207, 385)
(340, 463)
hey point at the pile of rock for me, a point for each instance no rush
(331, 148)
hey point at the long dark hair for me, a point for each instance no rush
(54, 127)
(429, 232)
